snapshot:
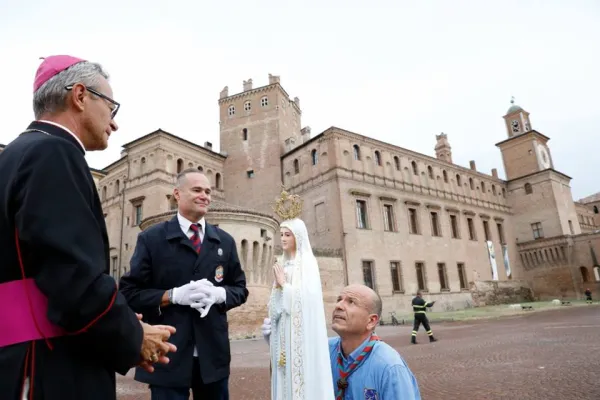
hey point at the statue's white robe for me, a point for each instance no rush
(298, 327)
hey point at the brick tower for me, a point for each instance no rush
(256, 127)
(539, 195)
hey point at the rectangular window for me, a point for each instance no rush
(462, 275)
(138, 215)
(115, 266)
(454, 226)
(388, 218)
(442, 276)
(368, 274)
(571, 227)
(486, 230)
(412, 221)
(471, 229)
(538, 233)
(361, 214)
(435, 224)
(396, 273)
(421, 277)
(321, 222)
(500, 233)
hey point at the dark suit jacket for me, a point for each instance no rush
(47, 193)
(164, 258)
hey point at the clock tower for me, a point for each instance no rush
(539, 196)
(526, 150)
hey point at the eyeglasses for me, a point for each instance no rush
(113, 111)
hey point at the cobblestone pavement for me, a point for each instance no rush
(547, 355)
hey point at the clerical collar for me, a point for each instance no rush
(66, 130)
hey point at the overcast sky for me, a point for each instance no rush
(398, 71)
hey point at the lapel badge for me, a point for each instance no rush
(219, 273)
(220, 251)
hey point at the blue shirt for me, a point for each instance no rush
(383, 375)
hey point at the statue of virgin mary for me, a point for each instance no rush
(299, 349)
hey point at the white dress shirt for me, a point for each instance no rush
(185, 224)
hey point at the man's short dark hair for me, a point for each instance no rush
(181, 176)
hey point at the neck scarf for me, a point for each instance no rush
(342, 383)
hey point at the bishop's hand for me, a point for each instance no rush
(279, 274)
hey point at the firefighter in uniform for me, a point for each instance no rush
(588, 296)
(419, 305)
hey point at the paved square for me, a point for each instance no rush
(550, 355)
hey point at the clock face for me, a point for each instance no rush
(544, 158)
(515, 125)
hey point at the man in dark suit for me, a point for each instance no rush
(64, 327)
(186, 273)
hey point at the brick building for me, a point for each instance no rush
(377, 213)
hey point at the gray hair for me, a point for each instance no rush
(51, 96)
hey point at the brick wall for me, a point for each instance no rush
(490, 293)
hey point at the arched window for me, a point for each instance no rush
(414, 168)
(445, 174)
(179, 165)
(471, 183)
(245, 134)
(458, 180)
(528, 188)
(397, 163)
(314, 157)
(356, 152)
(218, 182)
(430, 172)
(377, 158)
(595, 209)
(296, 166)
(584, 274)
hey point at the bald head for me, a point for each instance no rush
(371, 298)
(357, 311)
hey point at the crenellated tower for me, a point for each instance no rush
(257, 126)
(443, 151)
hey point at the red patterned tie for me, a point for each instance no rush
(196, 237)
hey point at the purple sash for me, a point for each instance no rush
(23, 310)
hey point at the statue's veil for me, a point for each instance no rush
(309, 358)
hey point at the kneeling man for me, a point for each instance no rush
(362, 365)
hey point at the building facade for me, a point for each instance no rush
(394, 219)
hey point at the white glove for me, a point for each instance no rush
(266, 329)
(181, 295)
(205, 296)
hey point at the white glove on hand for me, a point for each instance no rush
(205, 296)
(266, 329)
(181, 295)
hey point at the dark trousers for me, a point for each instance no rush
(212, 391)
(421, 319)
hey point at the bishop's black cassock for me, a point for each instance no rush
(48, 198)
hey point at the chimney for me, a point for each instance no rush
(472, 165)
(495, 173)
(208, 145)
(224, 93)
(247, 85)
(273, 79)
(297, 101)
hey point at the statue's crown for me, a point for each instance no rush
(288, 206)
